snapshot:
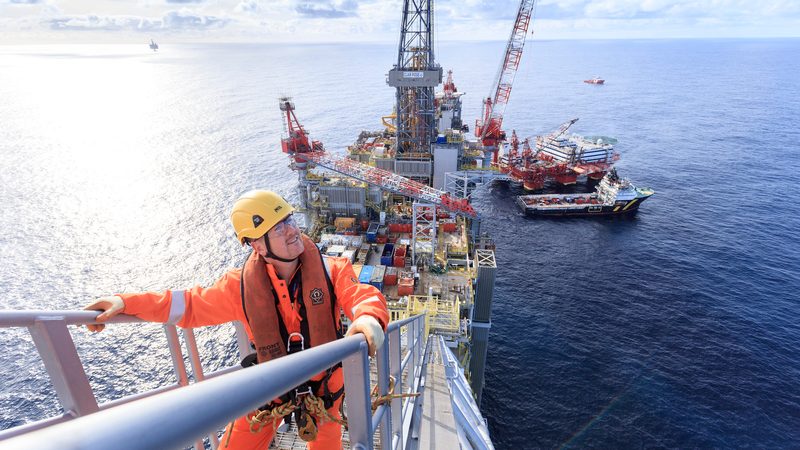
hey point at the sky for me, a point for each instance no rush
(120, 21)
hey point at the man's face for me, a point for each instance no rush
(284, 239)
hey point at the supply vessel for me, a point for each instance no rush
(613, 196)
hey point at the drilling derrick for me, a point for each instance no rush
(489, 127)
(415, 76)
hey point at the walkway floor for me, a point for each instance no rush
(438, 427)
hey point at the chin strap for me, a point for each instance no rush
(272, 255)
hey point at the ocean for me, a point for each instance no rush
(675, 329)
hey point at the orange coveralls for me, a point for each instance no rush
(222, 303)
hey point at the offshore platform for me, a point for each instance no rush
(383, 206)
(396, 203)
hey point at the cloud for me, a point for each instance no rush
(248, 6)
(184, 1)
(171, 21)
(327, 9)
(25, 2)
(179, 20)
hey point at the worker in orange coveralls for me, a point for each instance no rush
(289, 297)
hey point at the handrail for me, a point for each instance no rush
(465, 410)
(27, 318)
(127, 423)
(183, 414)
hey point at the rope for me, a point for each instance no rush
(314, 406)
(384, 399)
(260, 419)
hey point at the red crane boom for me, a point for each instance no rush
(489, 128)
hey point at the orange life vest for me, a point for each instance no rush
(319, 317)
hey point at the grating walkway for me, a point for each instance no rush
(438, 427)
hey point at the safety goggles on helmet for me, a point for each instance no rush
(282, 227)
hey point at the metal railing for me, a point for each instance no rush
(159, 419)
(470, 424)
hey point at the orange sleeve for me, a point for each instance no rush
(354, 298)
(220, 303)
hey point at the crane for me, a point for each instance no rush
(296, 145)
(489, 127)
(296, 140)
(562, 129)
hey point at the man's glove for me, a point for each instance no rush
(371, 329)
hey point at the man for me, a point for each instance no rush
(289, 297)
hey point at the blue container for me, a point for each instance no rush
(366, 274)
(441, 139)
(386, 256)
(372, 232)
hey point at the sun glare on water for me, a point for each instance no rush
(96, 113)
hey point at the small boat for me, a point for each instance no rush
(153, 45)
(595, 80)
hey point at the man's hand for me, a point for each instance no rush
(371, 329)
(111, 306)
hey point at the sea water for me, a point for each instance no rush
(677, 328)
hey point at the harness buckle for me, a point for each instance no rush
(299, 390)
(293, 346)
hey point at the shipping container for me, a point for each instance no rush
(366, 274)
(390, 279)
(386, 256)
(335, 250)
(378, 273)
(372, 232)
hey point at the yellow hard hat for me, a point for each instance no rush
(256, 212)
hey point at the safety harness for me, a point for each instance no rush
(286, 320)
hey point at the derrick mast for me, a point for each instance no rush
(489, 127)
(415, 76)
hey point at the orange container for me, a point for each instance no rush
(405, 289)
